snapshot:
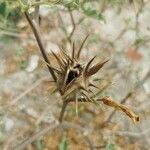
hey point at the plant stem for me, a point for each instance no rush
(38, 3)
(37, 35)
(65, 103)
(73, 23)
(36, 13)
(50, 129)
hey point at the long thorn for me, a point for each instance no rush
(95, 68)
(58, 60)
(80, 48)
(66, 56)
(52, 67)
(87, 66)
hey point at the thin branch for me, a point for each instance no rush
(23, 94)
(37, 3)
(8, 29)
(82, 130)
(41, 118)
(64, 27)
(9, 141)
(33, 86)
(133, 134)
(137, 14)
(36, 13)
(120, 35)
(73, 23)
(12, 34)
(144, 106)
(34, 137)
(100, 147)
(37, 35)
(65, 103)
(51, 128)
(40, 43)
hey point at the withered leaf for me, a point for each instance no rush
(108, 101)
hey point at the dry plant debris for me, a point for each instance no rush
(108, 101)
(73, 81)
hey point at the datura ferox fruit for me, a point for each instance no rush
(73, 80)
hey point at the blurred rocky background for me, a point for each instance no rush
(119, 30)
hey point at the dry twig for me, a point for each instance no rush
(50, 129)
(133, 134)
(36, 32)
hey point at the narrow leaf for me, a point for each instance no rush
(64, 144)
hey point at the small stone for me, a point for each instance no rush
(9, 123)
(33, 63)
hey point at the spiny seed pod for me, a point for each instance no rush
(73, 80)
(72, 76)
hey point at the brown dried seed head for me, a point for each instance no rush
(73, 79)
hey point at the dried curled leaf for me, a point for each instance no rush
(108, 101)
